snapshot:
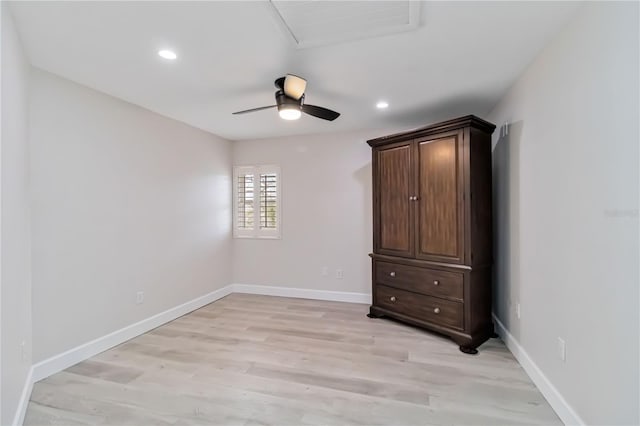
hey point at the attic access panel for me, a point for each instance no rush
(317, 23)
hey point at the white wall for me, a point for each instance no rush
(566, 194)
(124, 200)
(326, 215)
(15, 292)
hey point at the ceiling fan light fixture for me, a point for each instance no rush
(290, 101)
(294, 86)
(288, 112)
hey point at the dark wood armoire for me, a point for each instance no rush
(432, 236)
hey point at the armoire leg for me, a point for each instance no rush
(468, 350)
(372, 314)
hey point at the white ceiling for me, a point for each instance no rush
(460, 60)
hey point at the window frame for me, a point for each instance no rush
(256, 232)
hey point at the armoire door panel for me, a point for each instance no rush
(394, 189)
(440, 208)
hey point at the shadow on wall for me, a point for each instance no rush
(506, 217)
(364, 176)
(439, 110)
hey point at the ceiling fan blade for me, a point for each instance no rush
(294, 86)
(320, 112)
(254, 109)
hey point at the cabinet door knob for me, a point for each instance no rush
(393, 298)
(436, 282)
(436, 310)
(393, 274)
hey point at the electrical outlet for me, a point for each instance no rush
(562, 349)
(339, 274)
(518, 310)
(139, 297)
(324, 271)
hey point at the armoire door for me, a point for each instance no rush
(393, 212)
(440, 209)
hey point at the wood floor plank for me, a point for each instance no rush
(349, 384)
(258, 360)
(94, 368)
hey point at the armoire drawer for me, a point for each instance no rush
(425, 308)
(420, 280)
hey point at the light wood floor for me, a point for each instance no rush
(255, 360)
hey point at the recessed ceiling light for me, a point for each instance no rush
(382, 105)
(167, 54)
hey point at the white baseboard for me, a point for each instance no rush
(21, 410)
(303, 293)
(47, 367)
(562, 408)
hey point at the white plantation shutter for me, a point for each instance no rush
(245, 201)
(268, 200)
(256, 212)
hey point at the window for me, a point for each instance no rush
(256, 203)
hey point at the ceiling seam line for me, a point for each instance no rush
(284, 22)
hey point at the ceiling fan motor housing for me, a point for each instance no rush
(285, 102)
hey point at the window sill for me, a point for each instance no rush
(257, 237)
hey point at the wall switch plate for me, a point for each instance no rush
(324, 271)
(339, 274)
(139, 297)
(562, 349)
(23, 350)
(518, 310)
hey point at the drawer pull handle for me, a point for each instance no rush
(436, 310)
(393, 298)
(436, 282)
(393, 274)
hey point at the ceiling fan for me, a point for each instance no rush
(290, 101)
